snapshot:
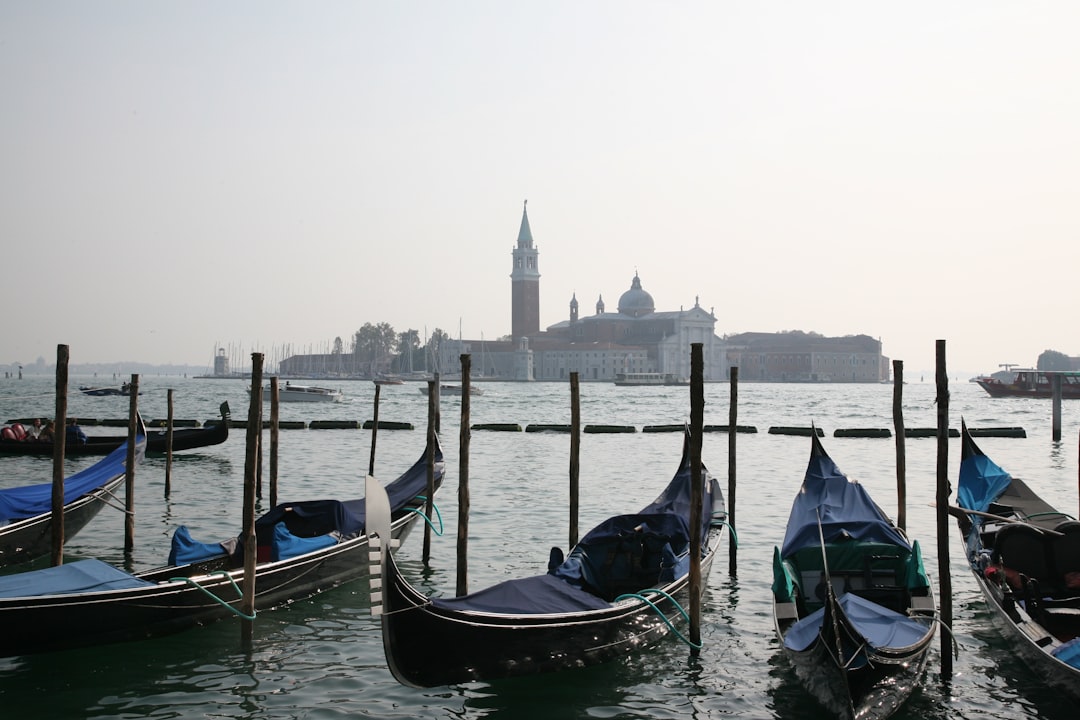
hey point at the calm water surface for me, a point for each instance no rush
(323, 657)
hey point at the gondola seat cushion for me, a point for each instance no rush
(285, 545)
(185, 550)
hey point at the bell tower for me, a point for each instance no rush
(525, 283)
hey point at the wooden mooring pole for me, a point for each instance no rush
(129, 470)
(463, 479)
(275, 429)
(697, 428)
(575, 455)
(59, 448)
(168, 444)
(1055, 385)
(432, 430)
(901, 448)
(733, 423)
(944, 576)
(251, 461)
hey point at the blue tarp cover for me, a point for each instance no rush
(981, 483)
(882, 627)
(30, 500)
(312, 518)
(75, 577)
(532, 595)
(847, 511)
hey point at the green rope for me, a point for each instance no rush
(686, 616)
(1052, 512)
(438, 514)
(230, 608)
(730, 527)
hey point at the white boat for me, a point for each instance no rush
(306, 393)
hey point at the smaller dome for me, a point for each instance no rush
(636, 302)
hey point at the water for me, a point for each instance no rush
(323, 658)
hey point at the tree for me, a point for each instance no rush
(337, 346)
(373, 344)
(433, 350)
(1053, 360)
(408, 345)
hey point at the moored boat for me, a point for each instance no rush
(616, 592)
(213, 433)
(124, 390)
(1025, 556)
(304, 548)
(1030, 383)
(26, 512)
(852, 603)
(306, 393)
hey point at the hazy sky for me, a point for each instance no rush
(176, 175)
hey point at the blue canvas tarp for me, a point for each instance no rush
(75, 577)
(540, 594)
(981, 482)
(880, 626)
(845, 508)
(24, 502)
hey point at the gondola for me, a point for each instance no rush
(124, 390)
(614, 594)
(1025, 556)
(213, 433)
(852, 602)
(304, 548)
(26, 512)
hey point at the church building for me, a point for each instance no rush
(636, 338)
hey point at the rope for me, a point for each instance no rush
(438, 514)
(226, 605)
(105, 500)
(686, 616)
(730, 527)
(937, 619)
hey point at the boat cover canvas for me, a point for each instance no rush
(881, 627)
(81, 576)
(981, 482)
(311, 518)
(24, 502)
(846, 509)
(537, 595)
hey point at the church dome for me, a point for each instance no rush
(636, 302)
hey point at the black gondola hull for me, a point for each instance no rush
(872, 689)
(488, 646)
(24, 540)
(47, 623)
(213, 433)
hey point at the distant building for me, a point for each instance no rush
(636, 338)
(806, 357)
